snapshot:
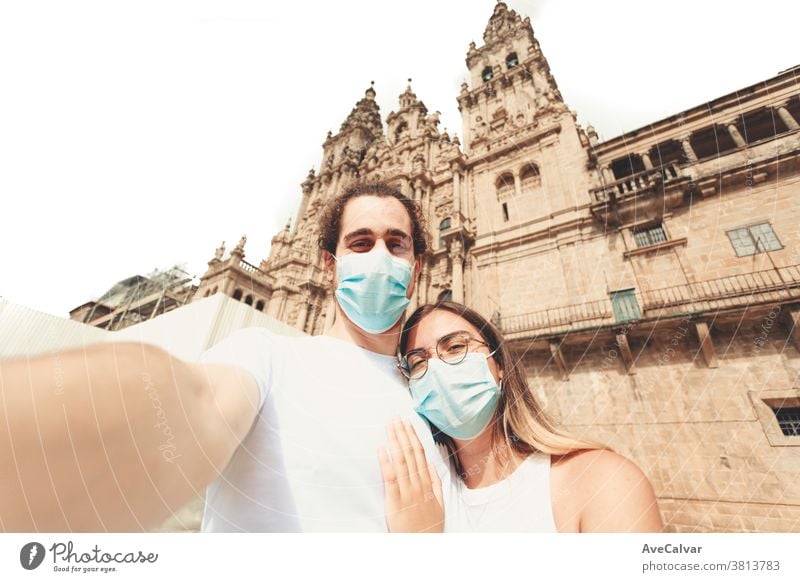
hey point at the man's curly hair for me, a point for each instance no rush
(330, 222)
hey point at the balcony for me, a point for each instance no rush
(648, 192)
(778, 285)
(637, 183)
(251, 269)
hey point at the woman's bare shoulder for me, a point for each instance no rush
(607, 490)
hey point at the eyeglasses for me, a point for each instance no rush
(451, 349)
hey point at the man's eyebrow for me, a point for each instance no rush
(357, 233)
(398, 232)
(368, 232)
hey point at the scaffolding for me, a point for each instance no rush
(140, 298)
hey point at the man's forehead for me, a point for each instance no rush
(380, 215)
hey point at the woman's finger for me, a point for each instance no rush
(436, 484)
(399, 462)
(408, 452)
(387, 471)
(420, 461)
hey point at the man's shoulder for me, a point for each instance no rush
(262, 335)
(249, 342)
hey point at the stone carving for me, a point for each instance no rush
(220, 251)
(242, 241)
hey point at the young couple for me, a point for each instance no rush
(291, 434)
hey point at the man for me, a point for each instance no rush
(286, 428)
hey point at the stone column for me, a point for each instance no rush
(607, 175)
(228, 287)
(469, 201)
(422, 287)
(428, 202)
(276, 303)
(517, 185)
(648, 163)
(456, 194)
(458, 271)
(302, 316)
(787, 118)
(736, 136)
(418, 192)
(687, 149)
(405, 188)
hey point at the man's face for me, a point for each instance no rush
(371, 221)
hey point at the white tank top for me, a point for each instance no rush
(519, 503)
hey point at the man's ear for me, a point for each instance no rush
(330, 266)
(415, 273)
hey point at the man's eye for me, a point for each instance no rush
(360, 244)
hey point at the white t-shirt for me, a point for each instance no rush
(519, 503)
(310, 460)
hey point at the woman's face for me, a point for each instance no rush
(440, 323)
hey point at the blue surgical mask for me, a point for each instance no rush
(458, 399)
(372, 288)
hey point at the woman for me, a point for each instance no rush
(516, 471)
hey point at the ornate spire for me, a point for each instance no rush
(365, 115)
(370, 93)
(409, 99)
(503, 23)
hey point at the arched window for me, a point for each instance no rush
(486, 74)
(248, 300)
(445, 224)
(446, 295)
(504, 186)
(512, 60)
(208, 291)
(530, 179)
(260, 305)
(237, 295)
(214, 292)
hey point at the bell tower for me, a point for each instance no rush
(528, 156)
(512, 86)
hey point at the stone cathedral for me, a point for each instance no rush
(650, 284)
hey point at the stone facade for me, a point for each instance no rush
(650, 284)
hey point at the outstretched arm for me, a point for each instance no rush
(114, 437)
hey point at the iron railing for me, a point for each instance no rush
(777, 285)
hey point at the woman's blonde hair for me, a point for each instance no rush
(519, 421)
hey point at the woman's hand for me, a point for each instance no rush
(413, 489)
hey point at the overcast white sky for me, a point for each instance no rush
(136, 135)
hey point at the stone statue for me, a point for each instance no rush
(220, 251)
(242, 242)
